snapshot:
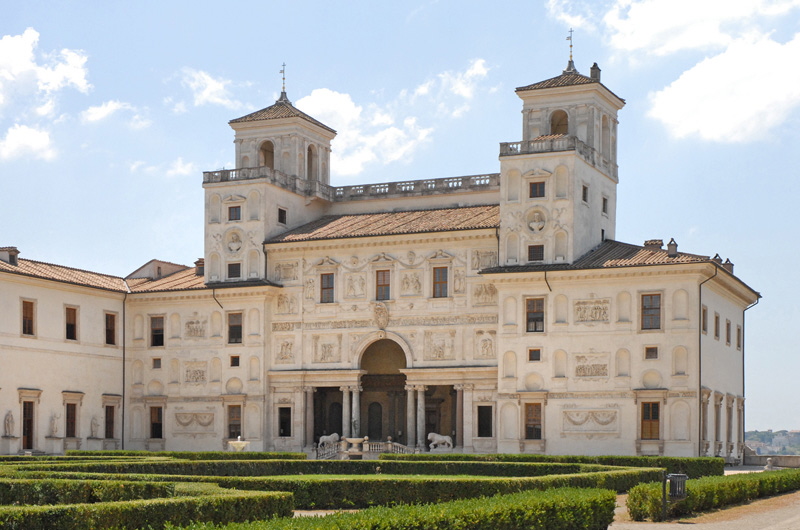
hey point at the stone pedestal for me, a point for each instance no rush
(9, 445)
(54, 445)
(94, 444)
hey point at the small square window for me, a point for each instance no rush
(585, 194)
(651, 352)
(536, 190)
(234, 360)
(234, 270)
(282, 216)
(605, 205)
(234, 213)
(535, 252)
(534, 355)
(156, 363)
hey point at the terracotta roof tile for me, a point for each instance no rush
(565, 79)
(183, 280)
(282, 108)
(60, 273)
(394, 223)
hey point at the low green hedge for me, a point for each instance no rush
(152, 513)
(196, 455)
(644, 501)
(694, 467)
(561, 509)
(62, 491)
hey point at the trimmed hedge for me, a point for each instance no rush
(644, 501)
(560, 509)
(63, 491)
(152, 513)
(694, 467)
(195, 455)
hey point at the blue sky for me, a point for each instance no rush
(109, 113)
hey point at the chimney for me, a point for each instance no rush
(594, 72)
(672, 248)
(728, 265)
(653, 244)
(9, 255)
(717, 259)
(200, 267)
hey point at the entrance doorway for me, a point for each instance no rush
(27, 424)
(383, 396)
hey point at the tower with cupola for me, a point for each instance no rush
(559, 184)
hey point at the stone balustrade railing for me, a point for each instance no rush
(561, 143)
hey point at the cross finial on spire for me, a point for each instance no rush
(570, 43)
(570, 65)
(283, 77)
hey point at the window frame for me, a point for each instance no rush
(538, 354)
(585, 193)
(157, 423)
(383, 287)
(235, 361)
(529, 421)
(538, 250)
(480, 431)
(73, 309)
(651, 353)
(738, 337)
(235, 212)
(235, 330)
(727, 332)
(112, 329)
(535, 315)
(704, 320)
(650, 315)
(537, 189)
(234, 421)
(284, 418)
(716, 326)
(157, 334)
(283, 216)
(70, 420)
(440, 285)
(31, 322)
(327, 287)
(156, 363)
(604, 206)
(234, 271)
(648, 424)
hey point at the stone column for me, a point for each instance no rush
(421, 416)
(356, 411)
(392, 414)
(309, 410)
(345, 411)
(411, 419)
(467, 418)
(459, 415)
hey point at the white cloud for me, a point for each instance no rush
(104, 110)
(139, 122)
(208, 90)
(179, 168)
(739, 95)
(21, 140)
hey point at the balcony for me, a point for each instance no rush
(556, 144)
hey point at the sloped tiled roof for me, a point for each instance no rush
(394, 223)
(282, 108)
(610, 254)
(570, 77)
(179, 281)
(60, 273)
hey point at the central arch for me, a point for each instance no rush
(383, 389)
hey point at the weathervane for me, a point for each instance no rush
(570, 44)
(283, 77)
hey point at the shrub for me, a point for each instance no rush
(60, 491)
(708, 493)
(193, 455)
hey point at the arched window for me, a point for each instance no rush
(559, 123)
(266, 155)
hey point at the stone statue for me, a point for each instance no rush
(329, 439)
(437, 440)
(94, 427)
(537, 224)
(54, 424)
(235, 243)
(769, 466)
(8, 424)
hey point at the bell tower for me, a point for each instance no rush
(559, 184)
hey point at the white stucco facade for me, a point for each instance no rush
(496, 309)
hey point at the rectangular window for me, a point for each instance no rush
(651, 311)
(234, 213)
(109, 426)
(704, 319)
(382, 291)
(440, 282)
(535, 252)
(738, 337)
(156, 363)
(234, 328)
(284, 421)
(71, 418)
(651, 353)
(585, 194)
(716, 326)
(282, 216)
(156, 331)
(27, 318)
(534, 355)
(234, 270)
(534, 315)
(605, 205)
(484, 421)
(650, 426)
(156, 422)
(111, 329)
(536, 190)
(326, 288)
(234, 360)
(728, 332)
(533, 421)
(71, 318)
(234, 421)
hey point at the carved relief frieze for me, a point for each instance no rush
(485, 344)
(327, 348)
(459, 281)
(195, 372)
(413, 321)
(590, 421)
(355, 285)
(483, 259)
(484, 294)
(589, 311)
(439, 345)
(193, 422)
(411, 283)
(286, 326)
(284, 350)
(286, 304)
(195, 327)
(308, 289)
(286, 271)
(483, 397)
(381, 312)
(591, 365)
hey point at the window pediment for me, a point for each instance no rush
(327, 263)
(232, 199)
(537, 173)
(440, 256)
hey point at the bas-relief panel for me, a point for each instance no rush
(286, 271)
(411, 283)
(284, 350)
(195, 327)
(439, 345)
(589, 421)
(484, 294)
(591, 365)
(355, 285)
(590, 311)
(485, 342)
(327, 348)
(482, 259)
(286, 304)
(193, 422)
(195, 372)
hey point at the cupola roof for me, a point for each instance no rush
(282, 108)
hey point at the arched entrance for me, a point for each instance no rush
(383, 395)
